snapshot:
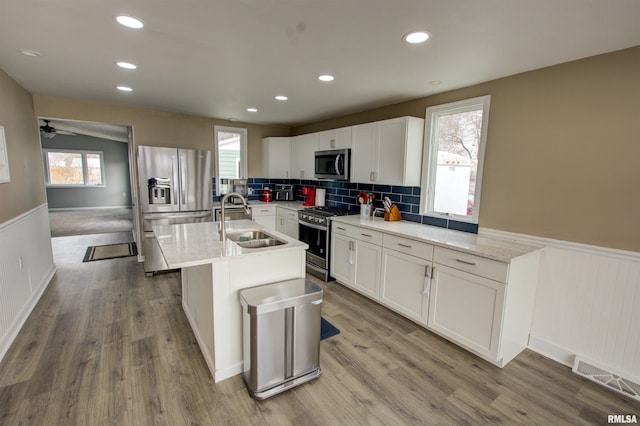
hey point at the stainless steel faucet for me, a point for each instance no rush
(221, 229)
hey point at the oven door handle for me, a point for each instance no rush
(311, 225)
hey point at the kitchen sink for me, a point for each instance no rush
(247, 236)
(254, 239)
(261, 243)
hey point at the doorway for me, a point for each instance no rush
(90, 177)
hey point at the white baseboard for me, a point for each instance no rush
(551, 351)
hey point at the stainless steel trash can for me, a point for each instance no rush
(281, 335)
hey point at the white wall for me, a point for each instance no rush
(26, 268)
(587, 304)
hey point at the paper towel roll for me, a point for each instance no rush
(320, 195)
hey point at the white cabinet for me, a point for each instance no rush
(356, 257)
(388, 152)
(303, 150)
(483, 305)
(276, 157)
(334, 139)
(467, 309)
(265, 216)
(287, 221)
(406, 277)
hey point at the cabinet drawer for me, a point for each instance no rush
(473, 264)
(411, 247)
(263, 210)
(287, 213)
(363, 234)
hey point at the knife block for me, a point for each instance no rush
(394, 215)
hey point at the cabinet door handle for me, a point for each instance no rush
(404, 245)
(427, 281)
(341, 228)
(464, 262)
(366, 235)
(350, 252)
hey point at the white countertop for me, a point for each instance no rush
(501, 250)
(192, 244)
(292, 205)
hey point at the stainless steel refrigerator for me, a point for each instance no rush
(175, 187)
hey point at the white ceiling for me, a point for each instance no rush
(215, 58)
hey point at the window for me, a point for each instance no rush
(231, 154)
(455, 136)
(73, 168)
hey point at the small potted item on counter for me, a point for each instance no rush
(365, 199)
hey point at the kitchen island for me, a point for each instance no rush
(214, 272)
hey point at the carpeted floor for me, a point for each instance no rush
(90, 221)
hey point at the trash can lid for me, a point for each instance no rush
(280, 295)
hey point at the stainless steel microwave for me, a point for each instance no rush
(333, 164)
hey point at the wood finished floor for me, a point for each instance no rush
(107, 345)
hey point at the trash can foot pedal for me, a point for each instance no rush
(264, 394)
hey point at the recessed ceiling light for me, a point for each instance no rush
(31, 53)
(125, 89)
(435, 82)
(281, 98)
(126, 65)
(129, 21)
(326, 77)
(252, 109)
(233, 119)
(416, 37)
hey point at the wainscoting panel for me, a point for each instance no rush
(587, 304)
(26, 267)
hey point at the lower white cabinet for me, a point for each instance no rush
(265, 216)
(405, 284)
(481, 304)
(467, 309)
(287, 222)
(355, 263)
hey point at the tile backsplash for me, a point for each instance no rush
(343, 194)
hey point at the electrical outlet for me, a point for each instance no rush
(20, 262)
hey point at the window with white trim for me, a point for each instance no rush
(73, 168)
(455, 137)
(231, 153)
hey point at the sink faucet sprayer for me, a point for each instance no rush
(221, 229)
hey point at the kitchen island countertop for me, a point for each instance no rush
(192, 244)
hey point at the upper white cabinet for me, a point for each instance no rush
(303, 150)
(334, 139)
(388, 152)
(276, 157)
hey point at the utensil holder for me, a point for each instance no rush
(394, 215)
(365, 210)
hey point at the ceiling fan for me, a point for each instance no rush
(49, 131)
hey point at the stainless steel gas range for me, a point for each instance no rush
(314, 226)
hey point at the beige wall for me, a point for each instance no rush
(26, 189)
(563, 149)
(159, 128)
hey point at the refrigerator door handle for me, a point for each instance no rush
(174, 175)
(183, 178)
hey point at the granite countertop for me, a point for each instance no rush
(502, 250)
(192, 244)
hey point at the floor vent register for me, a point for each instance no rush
(606, 378)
